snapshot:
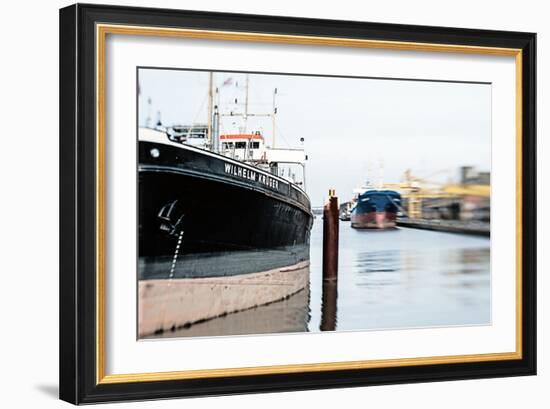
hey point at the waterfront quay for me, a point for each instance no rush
(452, 226)
(387, 279)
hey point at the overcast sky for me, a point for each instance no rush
(354, 128)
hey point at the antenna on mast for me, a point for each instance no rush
(159, 122)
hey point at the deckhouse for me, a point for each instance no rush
(244, 146)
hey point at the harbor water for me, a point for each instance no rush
(387, 279)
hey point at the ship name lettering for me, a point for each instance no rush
(241, 172)
(249, 174)
(269, 182)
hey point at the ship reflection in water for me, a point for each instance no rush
(399, 278)
(288, 315)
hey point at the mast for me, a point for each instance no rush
(303, 164)
(273, 116)
(149, 107)
(210, 106)
(380, 174)
(216, 130)
(246, 104)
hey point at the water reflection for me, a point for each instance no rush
(329, 307)
(377, 261)
(405, 278)
(289, 315)
(400, 278)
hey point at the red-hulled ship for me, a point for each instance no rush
(376, 209)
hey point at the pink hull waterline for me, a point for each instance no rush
(373, 220)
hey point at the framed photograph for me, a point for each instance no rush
(258, 203)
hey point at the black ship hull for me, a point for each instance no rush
(204, 215)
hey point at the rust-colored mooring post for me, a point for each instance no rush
(330, 237)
